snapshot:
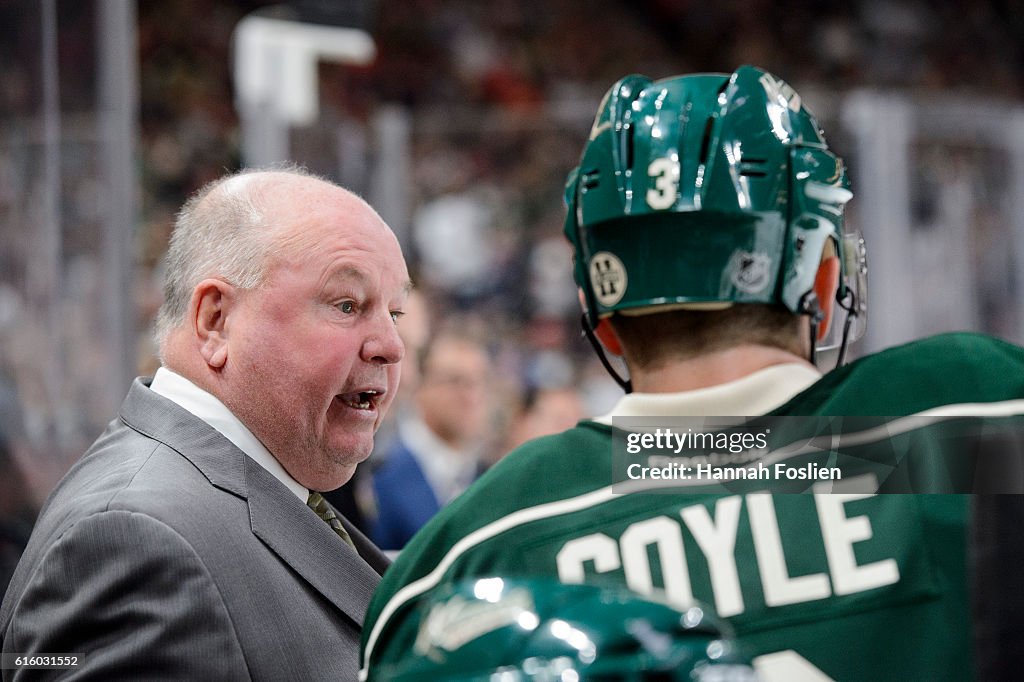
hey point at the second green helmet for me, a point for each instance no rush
(538, 630)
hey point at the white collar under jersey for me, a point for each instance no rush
(207, 407)
(752, 395)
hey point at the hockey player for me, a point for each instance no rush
(706, 217)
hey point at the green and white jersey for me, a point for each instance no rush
(852, 586)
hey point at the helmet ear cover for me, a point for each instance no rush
(701, 190)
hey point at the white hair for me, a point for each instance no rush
(221, 231)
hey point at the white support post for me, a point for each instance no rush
(117, 111)
(275, 72)
(881, 127)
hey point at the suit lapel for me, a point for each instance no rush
(164, 420)
(298, 536)
(278, 518)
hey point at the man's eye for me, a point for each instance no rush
(347, 307)
(395, 314)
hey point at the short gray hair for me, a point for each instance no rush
(220, 232)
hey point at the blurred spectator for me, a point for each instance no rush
(436, 454)
(16, 514)
(454, 242)
(545, 411)
(552, 291)
(17, 509)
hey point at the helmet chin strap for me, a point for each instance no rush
(809, 306)
(849, 304)
(602, 355)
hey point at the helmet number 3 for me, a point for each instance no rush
(664, 174)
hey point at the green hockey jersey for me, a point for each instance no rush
(843, 586)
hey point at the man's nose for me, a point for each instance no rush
(383, 345)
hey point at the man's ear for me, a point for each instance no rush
(605, 333)
(826, 283)
(208, 311)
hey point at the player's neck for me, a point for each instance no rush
(710, 369)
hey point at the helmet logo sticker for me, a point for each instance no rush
(780, 92)
(750, 271)
(607, 278)
(452, 624)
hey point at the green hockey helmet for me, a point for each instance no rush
(542, 631)
(706, 190)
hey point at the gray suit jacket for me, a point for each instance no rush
(168, 553)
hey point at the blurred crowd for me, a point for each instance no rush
(495, 95)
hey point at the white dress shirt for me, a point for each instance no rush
(205, 406)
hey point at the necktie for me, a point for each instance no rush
(317, 503)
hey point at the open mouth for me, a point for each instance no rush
(361, 400)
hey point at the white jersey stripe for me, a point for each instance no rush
(478, 536)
